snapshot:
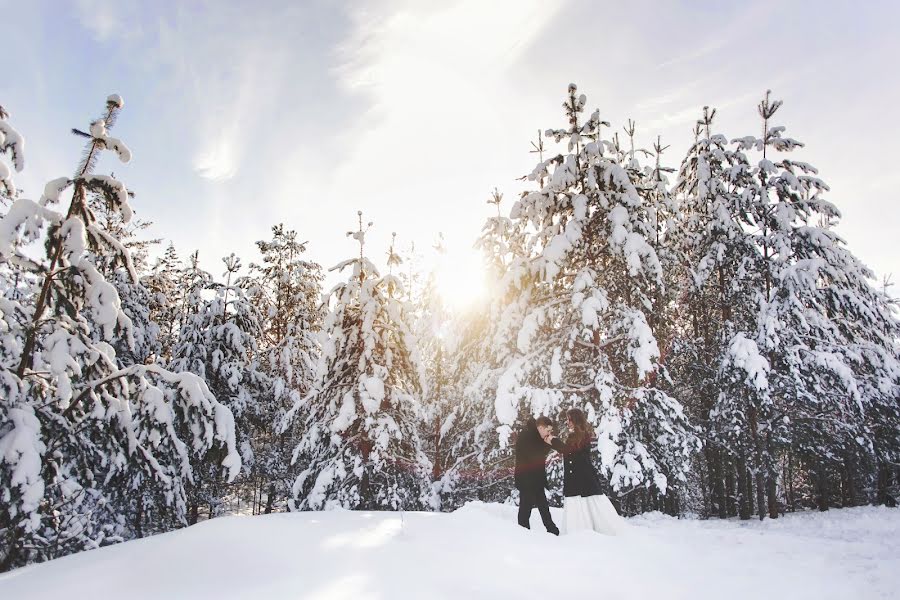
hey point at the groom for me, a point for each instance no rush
(531, 472)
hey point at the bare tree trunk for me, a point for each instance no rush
(789, 480)
(257, 494)
(270, 499)
(821, 478)
(715, 476)
(748, 482)
(772, 495)
(760, 466)
(772, 478)
(10, 548)
(853, 493)
(884, 478)
(745, 486)
(730, 491)
(845, 492)
(704, 489)
(139, 515)
(760, 493)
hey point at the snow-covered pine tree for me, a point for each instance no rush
(661, 215)
(79, 433)
(290, 290)
(219, 342)
(715, 299)
(658, 222)
(409, 271)
(140, 345)
(166, 300)
(435, 327)
(12, 281)
(144, 343)
(476, 465)
(360, 445)
(580, 335)
(135, 296)
(499, 241)
(769, 350)
(826, 337)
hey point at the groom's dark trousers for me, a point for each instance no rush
(531, 476)
(531, 498)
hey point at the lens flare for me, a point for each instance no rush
(460, 277)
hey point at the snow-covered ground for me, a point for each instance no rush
(479, 552)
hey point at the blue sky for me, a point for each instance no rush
(241, 115)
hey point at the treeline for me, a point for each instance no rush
(733, 355)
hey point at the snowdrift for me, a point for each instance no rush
(480, 552)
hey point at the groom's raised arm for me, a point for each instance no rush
(557, 445)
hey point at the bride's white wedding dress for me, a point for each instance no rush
(584, 507)
(591, 513)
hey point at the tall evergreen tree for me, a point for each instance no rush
(474, 464)
(166, 300)
(290, 289)
(772, 351)
(79, 433)
(827, 336)
(219, 342)
(581, 335)
(435, 327)
(714, 306)
(360, 446)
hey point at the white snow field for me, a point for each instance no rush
(480, 552)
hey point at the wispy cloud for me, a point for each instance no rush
(224, 82)
(431, 77)
(220, 70)
(305, 112)
(100, 17)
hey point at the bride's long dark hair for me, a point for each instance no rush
(581, 434)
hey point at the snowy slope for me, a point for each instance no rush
(479, 552)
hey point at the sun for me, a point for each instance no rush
(460, 277)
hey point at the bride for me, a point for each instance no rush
(585, 507)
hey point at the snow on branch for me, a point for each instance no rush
(23, 224)
(104, 140)
(13, 143)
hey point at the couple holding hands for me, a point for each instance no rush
(585, 507)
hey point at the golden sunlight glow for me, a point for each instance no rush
(460, 277)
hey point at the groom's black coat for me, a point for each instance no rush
(531, 457)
